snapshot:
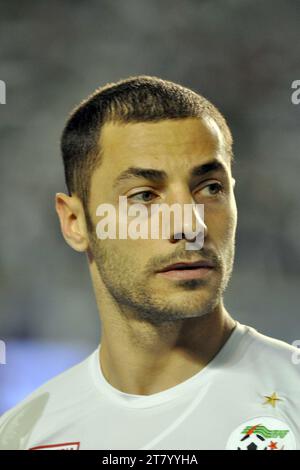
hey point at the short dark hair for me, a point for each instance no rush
(135, 99)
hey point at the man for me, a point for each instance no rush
(173, 370)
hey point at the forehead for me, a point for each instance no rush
(168, 135)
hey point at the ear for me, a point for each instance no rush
(72, 221)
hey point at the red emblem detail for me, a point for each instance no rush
(63, 446)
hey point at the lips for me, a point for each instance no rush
(187, 266)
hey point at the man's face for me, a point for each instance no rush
(128, 267)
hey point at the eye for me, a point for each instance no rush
(144, 196)
(214, 188)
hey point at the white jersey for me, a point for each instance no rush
(247, 397)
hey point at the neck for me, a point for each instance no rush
(140, 358)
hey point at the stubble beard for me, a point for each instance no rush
(135, 301)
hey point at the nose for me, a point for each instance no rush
(190, 226)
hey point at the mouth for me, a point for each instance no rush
(185, 270)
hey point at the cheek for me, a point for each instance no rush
(130, 254)
(231, 222)
(222, 225)
(229, 228)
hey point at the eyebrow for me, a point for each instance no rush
(160, 176)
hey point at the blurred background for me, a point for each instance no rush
(243, 55)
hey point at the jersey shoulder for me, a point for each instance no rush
(271, 344)
(57, 394)
(275, 354)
